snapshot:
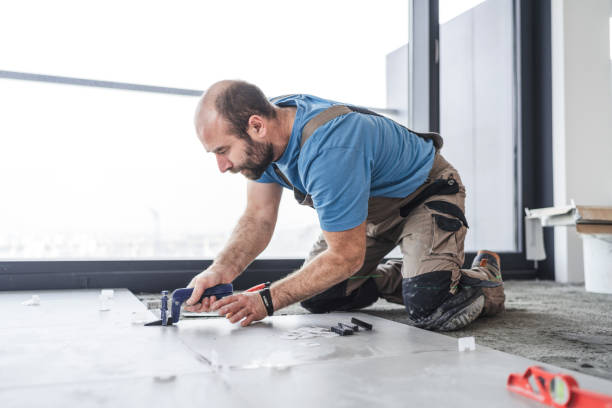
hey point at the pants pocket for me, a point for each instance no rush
(445, 231)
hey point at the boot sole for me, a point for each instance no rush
(451, 309)
(464, 316)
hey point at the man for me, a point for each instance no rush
(374, 185)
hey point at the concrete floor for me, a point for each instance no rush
(544, 321)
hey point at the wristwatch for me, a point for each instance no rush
(267, 299)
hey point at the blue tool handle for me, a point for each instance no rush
(181, 295)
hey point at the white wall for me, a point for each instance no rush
(582, 124)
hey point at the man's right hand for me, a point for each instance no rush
(214, 275)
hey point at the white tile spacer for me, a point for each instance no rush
(108, 293)
(34, 301)
(466, 343)
(106, 299)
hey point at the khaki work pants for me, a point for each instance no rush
(429, 241)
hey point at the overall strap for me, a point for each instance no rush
(313, 124)
(338, 110)
(280, 174)
(324, 117)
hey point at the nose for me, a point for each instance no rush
(223, 163)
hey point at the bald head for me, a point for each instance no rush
(206, 112)
(231, 102)
(209, 98)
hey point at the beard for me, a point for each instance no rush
(258, 158)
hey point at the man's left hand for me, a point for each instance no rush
(247, 306)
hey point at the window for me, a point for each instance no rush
(478, 115)
(94, 173)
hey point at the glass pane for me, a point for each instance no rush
(478, 116)
(92, 173)
(95, 173)
(335, 49)
(449, 9)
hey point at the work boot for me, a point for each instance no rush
(489, 260)
(489, 263)
(465, 312)
(456, 312)
(434, 303)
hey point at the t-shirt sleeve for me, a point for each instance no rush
(338, 179)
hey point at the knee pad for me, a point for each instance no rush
(425, 293)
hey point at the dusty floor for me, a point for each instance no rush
(544, 321)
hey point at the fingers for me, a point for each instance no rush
(213, 275)
(203, 306)
(193, 308)
(191, 285)
(206, 302)
(224, 301)
(198, 290)
(240, 308)
(236, 308)
(228, 305)
(200, 283)
(236, 317)
(249, 319)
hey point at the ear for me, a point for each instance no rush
(257, 127)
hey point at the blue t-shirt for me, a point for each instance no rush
(348, 160)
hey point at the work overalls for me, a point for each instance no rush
(429, 226)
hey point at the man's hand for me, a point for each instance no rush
(248, 306)
(214, 275)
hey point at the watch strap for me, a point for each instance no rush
(267, 300)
